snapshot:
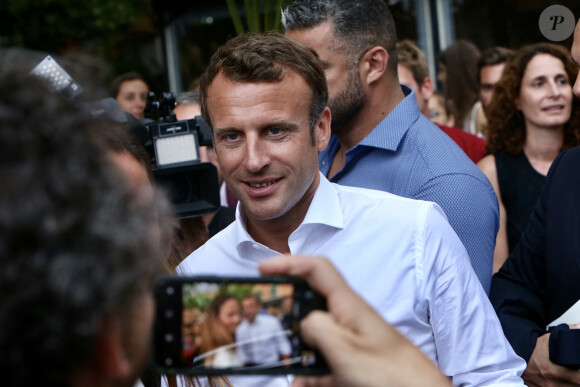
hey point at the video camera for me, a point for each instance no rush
(173, 147)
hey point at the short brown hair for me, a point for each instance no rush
(492, 56)
(411, 56)
(254, 57)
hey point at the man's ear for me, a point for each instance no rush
(111, 355)
(373, 64)
(427, 89)
(322, 129)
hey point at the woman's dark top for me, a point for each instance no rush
(520, 186)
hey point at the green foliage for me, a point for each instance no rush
(56, 25)
(239, 290)
(271, 10)
(193, 297)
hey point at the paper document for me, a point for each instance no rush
(571, 316)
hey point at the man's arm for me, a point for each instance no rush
(469, 341)
(281, 340)
(242, 349)
(471, 208)
(517, 289)
(519, 292)
(359, 346)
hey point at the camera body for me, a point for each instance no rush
(173, 148)
(183, 307)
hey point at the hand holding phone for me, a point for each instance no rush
(240, 326)
(360, 347)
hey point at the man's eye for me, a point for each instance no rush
(275, 131)
(231, 136)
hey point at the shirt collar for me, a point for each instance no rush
(389, 133)
(324, 209)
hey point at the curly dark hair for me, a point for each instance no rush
(506, 125)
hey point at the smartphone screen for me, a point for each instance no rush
(214, 325)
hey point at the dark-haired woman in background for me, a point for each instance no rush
(532, 117)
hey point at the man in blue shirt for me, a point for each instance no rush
(380, 138)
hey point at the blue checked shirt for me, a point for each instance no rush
(409, 156)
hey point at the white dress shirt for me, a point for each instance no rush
(402, 256)
(225, 358)
(263, 341)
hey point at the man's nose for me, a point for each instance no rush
(257, 155)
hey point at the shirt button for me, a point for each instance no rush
(256, 246)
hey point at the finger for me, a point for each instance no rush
(321, 381)
(566, 376)
(575, 326)
(321, 331)
(317, 271)
(343, 303)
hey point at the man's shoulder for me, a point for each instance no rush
(436, 155)
(380, 206)
(360, 196)
(213, 255)
(473, 146)
(268, 320)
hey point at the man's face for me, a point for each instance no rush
(346, 93)
(575, 52)
(406, 77)
(264, 146)
(488, 77)
(206, 152)
(250, 308)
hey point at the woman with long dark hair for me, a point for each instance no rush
(218, 332)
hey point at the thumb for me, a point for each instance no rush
(322, 332)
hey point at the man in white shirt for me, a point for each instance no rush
(265, 97)
(260, 337)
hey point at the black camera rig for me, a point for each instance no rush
(173, 146)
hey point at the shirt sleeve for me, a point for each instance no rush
(241, 336)
(518, 288)
(472, 210)
(281, 338)
(471, 347)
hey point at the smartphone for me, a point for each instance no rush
(231, 325)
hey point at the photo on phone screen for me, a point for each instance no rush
(212, 325)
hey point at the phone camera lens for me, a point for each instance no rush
(169, 338)
(168, 362)
(169, 290)
(169, 314)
